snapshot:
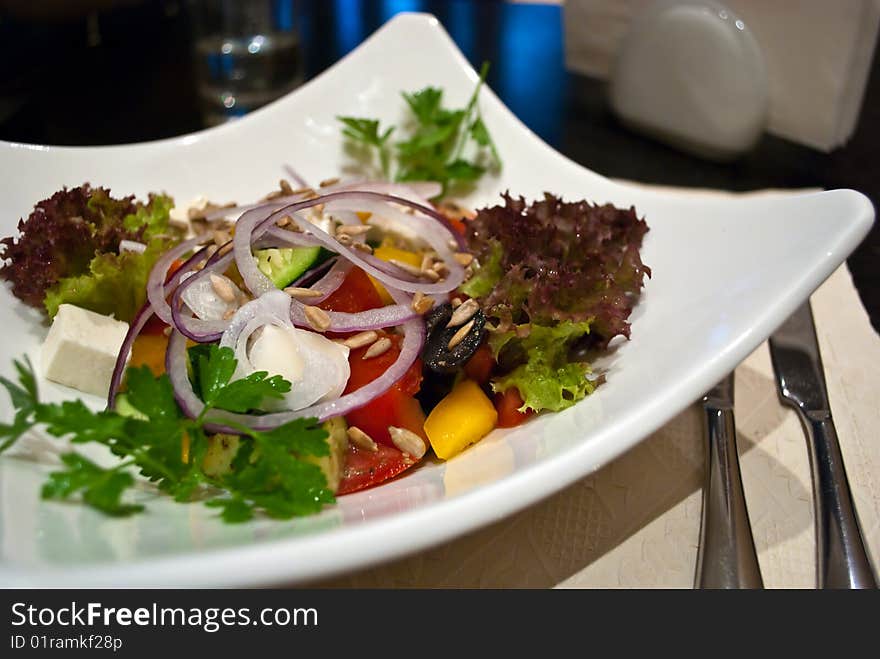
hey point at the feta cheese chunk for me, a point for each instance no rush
(80, 349)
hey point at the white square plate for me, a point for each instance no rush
(726, 273)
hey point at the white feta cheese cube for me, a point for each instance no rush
(80, 349)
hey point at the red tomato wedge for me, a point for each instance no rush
(508, 403)
(356, 293)
(479, 367)
(364, 468)
(397, 406)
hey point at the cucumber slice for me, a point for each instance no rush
(125, 408)
(284, 265)
(222, 449)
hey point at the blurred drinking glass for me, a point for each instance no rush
(247, 54)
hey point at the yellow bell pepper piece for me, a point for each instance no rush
(464, 416)
(390, 253)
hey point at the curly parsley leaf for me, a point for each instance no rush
(447, 146)
(101, 488)
(215, 372)
(270, 473)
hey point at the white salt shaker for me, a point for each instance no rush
(691, 74)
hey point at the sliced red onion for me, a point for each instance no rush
(330, 282)
(245, 234)
(272, 308)
(278, 237)
(201, 331)
(204, 299)
(256, 222)
(134, 329)
(413, 340)
(388, 316)
(156, 293)
(292, 173)
(311, 277)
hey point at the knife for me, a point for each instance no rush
(726, 557)
(841, 557)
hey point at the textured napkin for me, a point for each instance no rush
(818, 56)
(636, 521)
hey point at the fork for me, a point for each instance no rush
(726, 557)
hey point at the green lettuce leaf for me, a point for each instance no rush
(486, 275)
(151, 217)
(116, 284)
(546, 380)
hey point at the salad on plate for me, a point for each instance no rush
(268, 357)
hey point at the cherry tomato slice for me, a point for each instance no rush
(508, 403)
(364, 468)
(356, 293)
(397, 406)
(479, 367)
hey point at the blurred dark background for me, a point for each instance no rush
(87, 72)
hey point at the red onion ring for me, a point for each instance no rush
(139, 322)
(156, 282)
(175, 360)
(254, 223)
(201, 331)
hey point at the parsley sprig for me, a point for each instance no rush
(270, 473)
(447, 146)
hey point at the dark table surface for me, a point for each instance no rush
(125, 73)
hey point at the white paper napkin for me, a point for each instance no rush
(818, 55)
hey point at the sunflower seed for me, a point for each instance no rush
(222, 288)
(285, 187)
(302, 191)
(464, 258)
(225, 249)
(353, 229)
(328, 182)
(427, 262)
(318, 318)
(361, 339)
(363, 247)
(463, 313)
(361, 439)
(221, 237)
(421, 303)
(440, 268)
(456, 302)
(380, 347)
(458, 337)
(302, 293)
(430, 275)
(407, 441)
(273, 195)
(283, 222)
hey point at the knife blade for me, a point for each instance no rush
(841, 557)
(726, 557)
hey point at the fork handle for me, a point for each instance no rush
(727, 556)
(841, 557)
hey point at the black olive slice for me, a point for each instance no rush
(437, 355)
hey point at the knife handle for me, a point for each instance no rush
(841, 557)
(727, 556)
